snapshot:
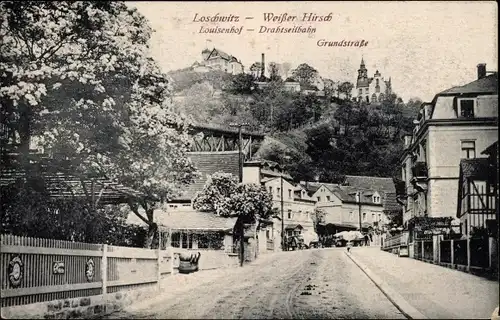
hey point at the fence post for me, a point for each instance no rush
(422, 256)
(452, 253)
(158, 261)
(468, 253)
(104, 268)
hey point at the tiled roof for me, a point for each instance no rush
(65, 185)
(476, 168)
(367, 185)
(373, 183)
(223, 55)
(390, 203)
(207, 164)
(492, 149)
(194, 220)
(293, 226)
(488, 84)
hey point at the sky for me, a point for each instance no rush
(425, 47)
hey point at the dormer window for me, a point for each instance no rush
(466, 108)
(376, 199)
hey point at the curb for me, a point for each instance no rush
(397, 300)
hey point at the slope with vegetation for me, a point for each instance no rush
(313, 137)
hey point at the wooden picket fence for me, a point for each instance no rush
(36, 270)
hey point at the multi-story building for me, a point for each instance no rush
(298, 207)
(458, 124)
(360, 202)
(219, 60)
(370, 89)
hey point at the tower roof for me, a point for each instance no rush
(362, 62)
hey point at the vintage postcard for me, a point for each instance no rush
(249, 160)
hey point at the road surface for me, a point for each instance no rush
(313, 284)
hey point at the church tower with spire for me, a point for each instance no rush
(362, 75)
(370, 90)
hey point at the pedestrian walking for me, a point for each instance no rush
(349, 245)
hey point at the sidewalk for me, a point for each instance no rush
(435, 291)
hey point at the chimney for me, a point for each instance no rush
(263, 67)
(481, 70)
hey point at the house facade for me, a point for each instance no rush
(219, 60)
(298, 207)
(457, 124)
(360, 202)
(370, 89)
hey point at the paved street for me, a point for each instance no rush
(319, 283)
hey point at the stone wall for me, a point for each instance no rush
(79, 308)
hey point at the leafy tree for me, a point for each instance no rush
(346, 89)
(28, 210)
(242, 84)
(77, 75)
(305, 74)
(224, 196)
(274, 72)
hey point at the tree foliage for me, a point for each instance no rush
(304, 74)
(78, 75)
(224, 196)
(242, 84)
(30, 211)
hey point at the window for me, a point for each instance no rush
(373, 217)
(376, 199)
(360, 91)
(319, 199)
(364, 216)
(176, 239)
(467, 108)
(289, 214)
(290, 193)
(271, 190)
(278, 192)
(187, 240)
(327, 198)
(468, 149)
(213, 240)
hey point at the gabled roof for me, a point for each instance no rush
(373, 183)
(209, 163)
(293, 226)
(390, 203)
(222, 54)
(478, 168)
(488, 84)
(492, 150)
(194, 220)
(61, 184)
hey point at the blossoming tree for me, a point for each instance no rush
(79, 78)
(223, 196)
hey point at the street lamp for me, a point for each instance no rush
(240, 165)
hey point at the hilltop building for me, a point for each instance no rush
(370, 90)
(215, 59)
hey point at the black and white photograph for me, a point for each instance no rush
(249, 160)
